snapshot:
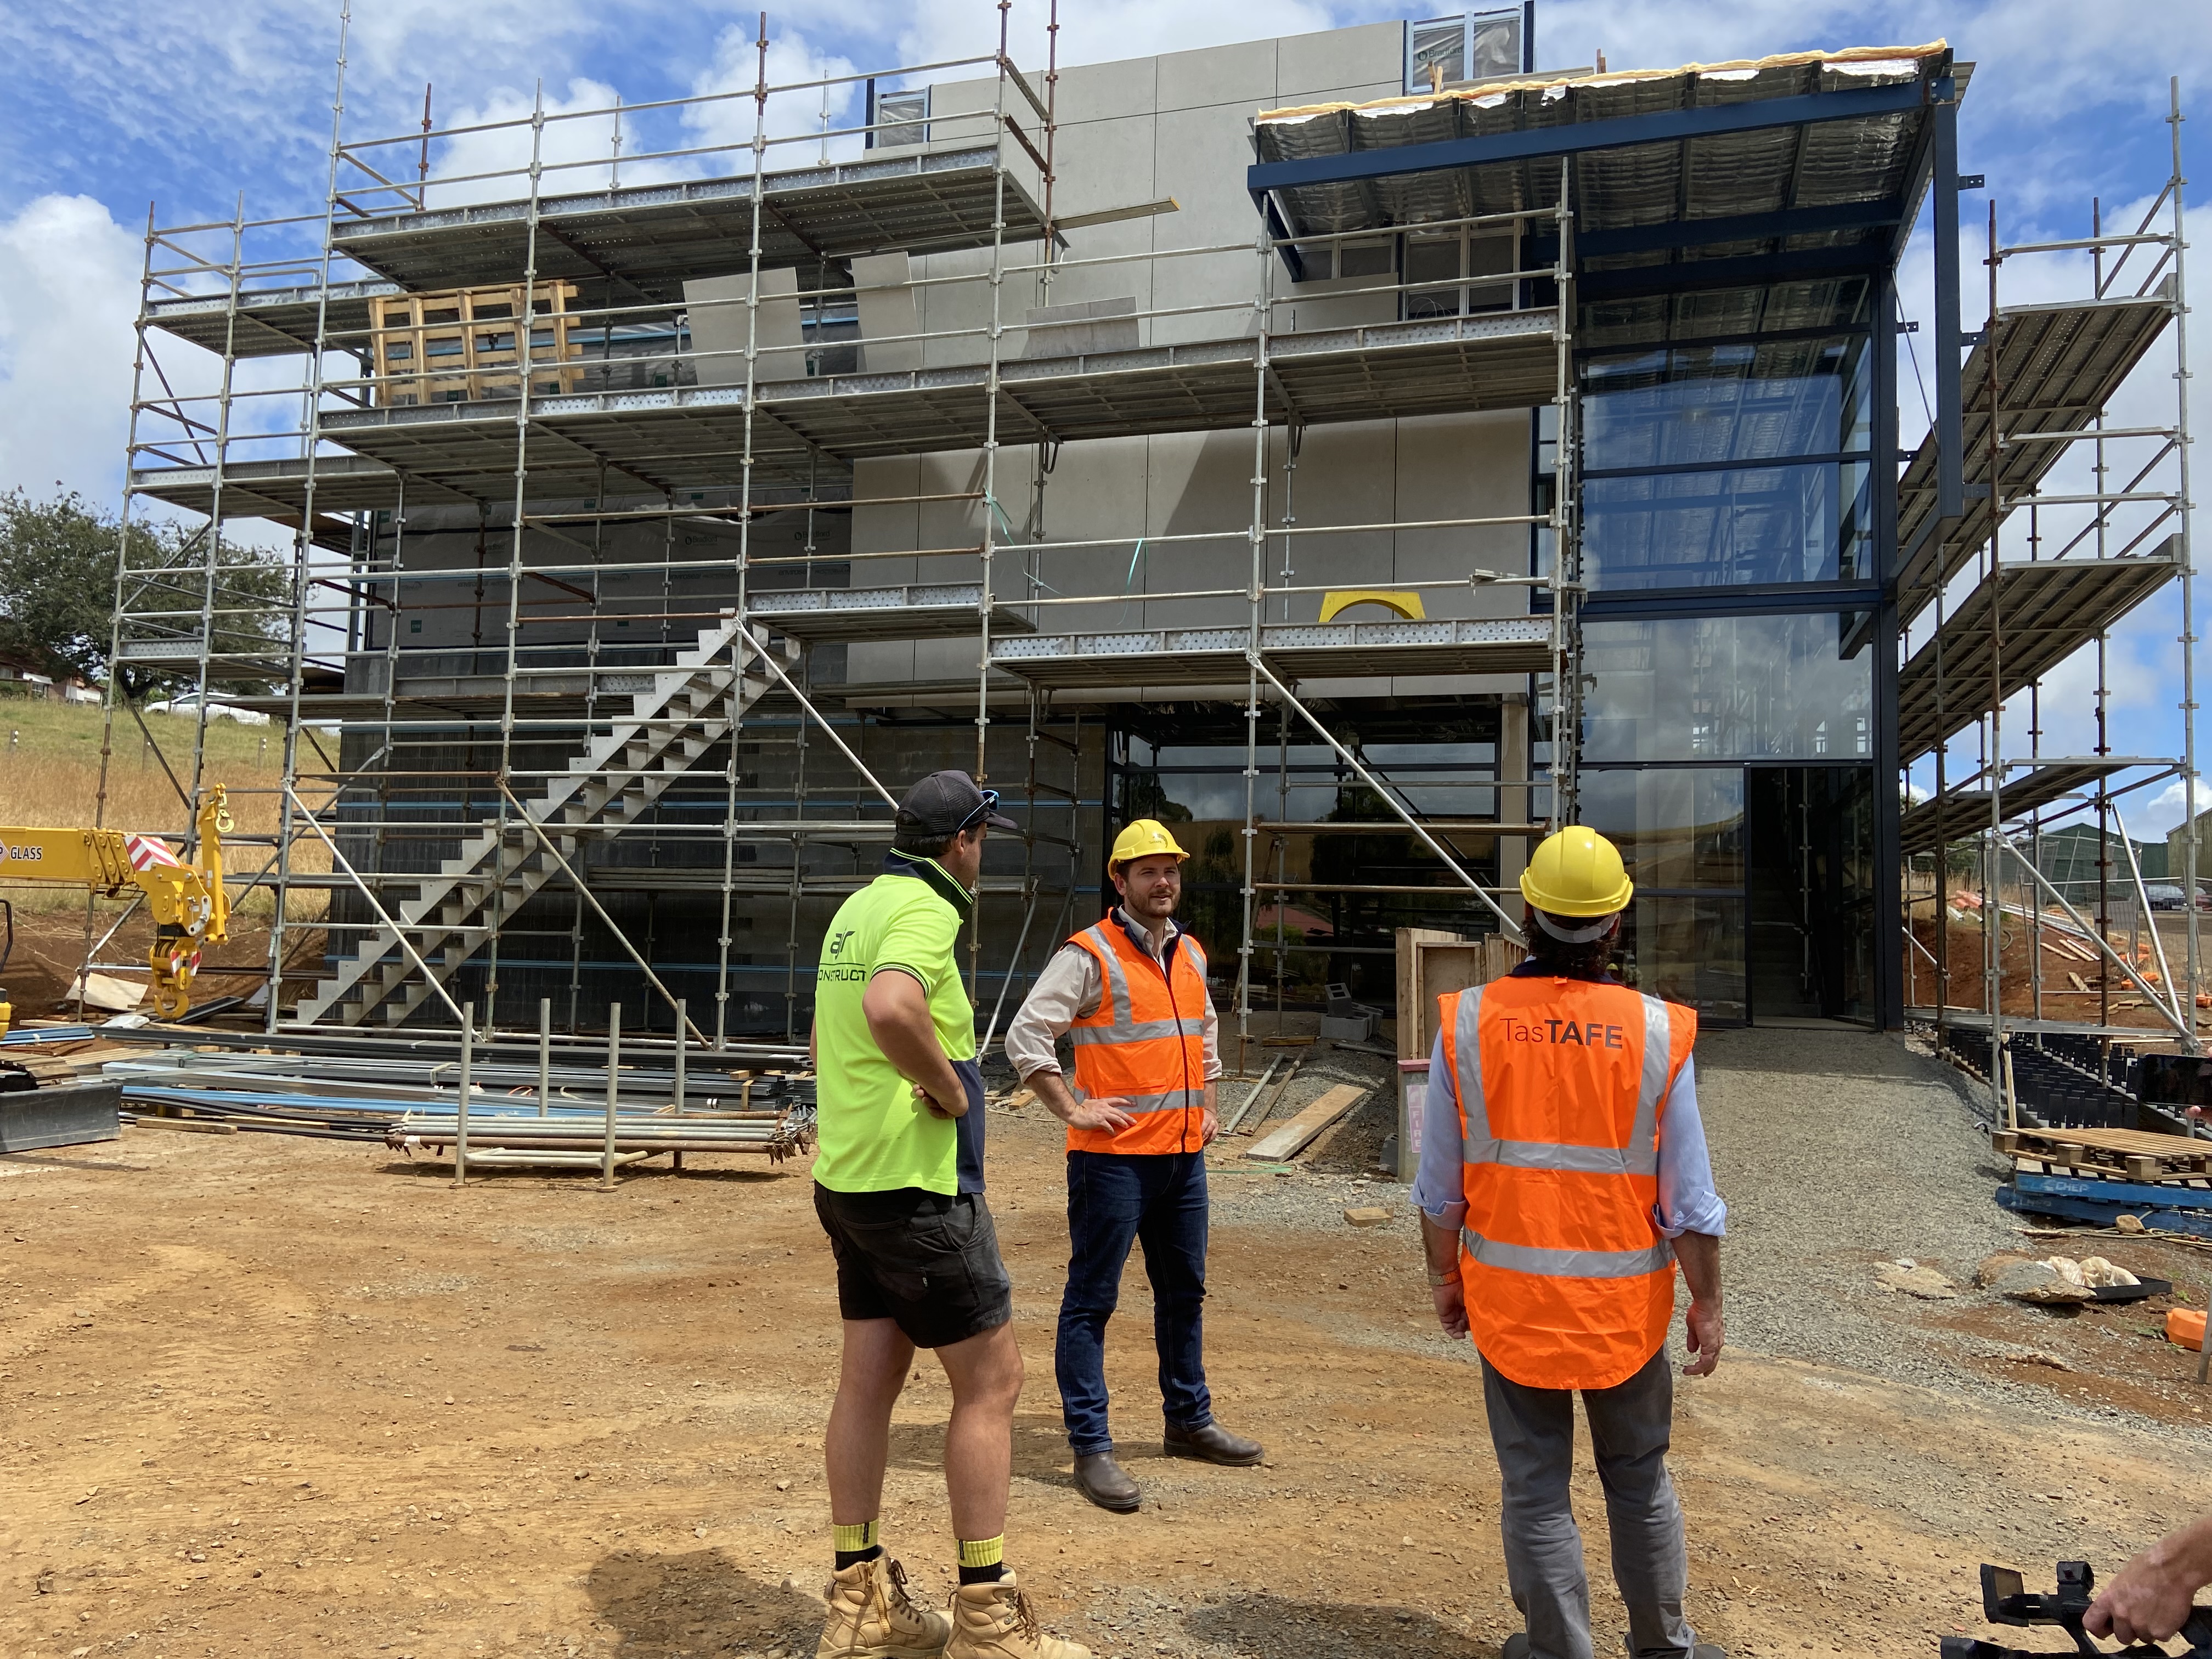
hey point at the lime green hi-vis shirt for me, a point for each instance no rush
(873, 1135)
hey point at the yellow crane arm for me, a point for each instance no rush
(190, 906)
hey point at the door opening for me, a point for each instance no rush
(1809, 881)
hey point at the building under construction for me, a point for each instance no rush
(1366, 450)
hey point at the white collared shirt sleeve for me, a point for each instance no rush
(1688, 1201)
(1212, 1040)
(1066, 990)
(1440, 1181)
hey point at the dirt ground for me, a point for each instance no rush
(272, 1396)
(2061, 1000)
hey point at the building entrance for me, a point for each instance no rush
(1809, 890)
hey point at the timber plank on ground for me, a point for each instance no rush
(1288, 1140)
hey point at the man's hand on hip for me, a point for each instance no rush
(1108, 1112)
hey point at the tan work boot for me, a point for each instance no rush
(871, 1616)
(994, 1621)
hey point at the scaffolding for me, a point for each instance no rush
(2068, 524)
(550, 362)
(588, 424)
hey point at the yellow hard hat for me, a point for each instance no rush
(1576, 872)
(1146, 838)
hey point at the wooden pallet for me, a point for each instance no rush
(2126, 1154)
(465, 339)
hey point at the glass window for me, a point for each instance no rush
(1727, 402)
(902, 117)
(1772, 524)
(1438, 267)
(1437, 48)
(1482, 45)
(1431, 259)
(1726, 688)
(1678, 829)
(1689, 948)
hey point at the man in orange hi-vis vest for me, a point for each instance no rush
(1131, 993)
(1563, 1175)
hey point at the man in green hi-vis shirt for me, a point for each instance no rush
(898, 1186)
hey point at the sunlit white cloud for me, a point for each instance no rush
(69, 286)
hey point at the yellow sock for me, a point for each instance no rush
(982, 1560)
(855, 1543)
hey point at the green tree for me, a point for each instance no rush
(57, 591)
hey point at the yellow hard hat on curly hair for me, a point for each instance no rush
(1576, 872)
(1147, 838)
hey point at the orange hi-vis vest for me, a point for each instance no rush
(1145, 1043)
(1562, 1086)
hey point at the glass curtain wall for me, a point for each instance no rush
(1728, 737)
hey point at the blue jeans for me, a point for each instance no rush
(1114, 1199)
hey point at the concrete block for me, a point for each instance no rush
(1243, 75)
(886, 309)
(1081, 327)
(1357, 64)
(718, 308)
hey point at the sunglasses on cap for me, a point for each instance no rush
(990, 805)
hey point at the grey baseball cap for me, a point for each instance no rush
(945, 803)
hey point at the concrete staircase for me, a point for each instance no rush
(688, 708)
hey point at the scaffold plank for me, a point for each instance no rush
(651, 237)
(690, 437)
(2057, 365)
(2029, 786)
(2042, 613)
(1197, 656)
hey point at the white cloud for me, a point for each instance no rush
(68, 290)
(731, 78)
(576, 151)
(2165, 810)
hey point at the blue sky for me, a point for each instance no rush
(116, 105)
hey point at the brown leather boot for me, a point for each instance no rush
(1211, 1444)
(1107, 1484)
(993, 1621)
(871, 1618)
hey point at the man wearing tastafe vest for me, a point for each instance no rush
(1563, 1175)
(1130, 992)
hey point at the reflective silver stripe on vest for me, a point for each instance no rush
(1658, 1052)
(1135, 1030)
(1567, 1264)
(1466, 1079)
(1172, 1101)
(1117, 982)
(1547, 1155)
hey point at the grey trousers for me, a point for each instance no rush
(1533, 1431)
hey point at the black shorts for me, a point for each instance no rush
(929, 1261)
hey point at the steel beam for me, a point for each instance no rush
(1661, 127)
(1740, 228)
(1950, 475)
(1752, 270)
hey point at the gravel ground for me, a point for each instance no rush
(1835, 1150)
